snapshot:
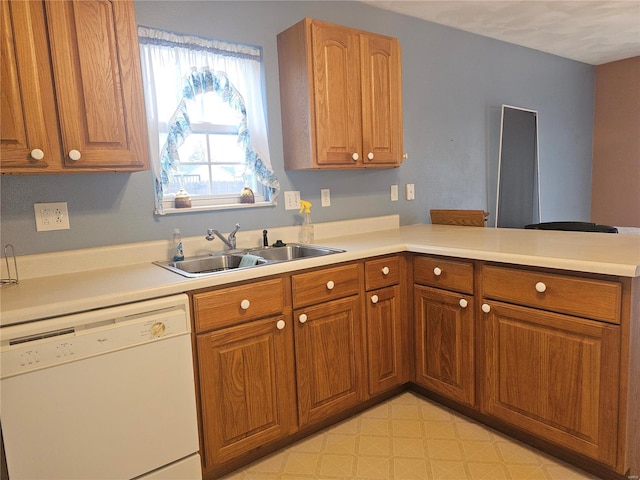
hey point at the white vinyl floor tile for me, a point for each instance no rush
(409, 438)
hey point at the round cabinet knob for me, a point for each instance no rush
(437, 271)
(541, 287)
(355, 156)
(486, 308)
(158, 329)
(405, 155)
(245, 304)
(74, 155)
(374, 299)
(385, 270)
(280, 324)
(330, 285)
(302, 318)
(37, 154)
(370, 155)
(463, 303)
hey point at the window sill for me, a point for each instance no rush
(222, 206)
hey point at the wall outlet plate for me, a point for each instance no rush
(411, 192)
(292, 200)
(51, 216)
(394, 193)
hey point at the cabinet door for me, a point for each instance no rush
(329, 359)
(336, 74)
(385, 339)
(247, 387)
(381, 100)
(554, 376)
(444, 343)
(94, 50)
(28, 110)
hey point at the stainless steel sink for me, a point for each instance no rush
(208, 265)
(292, 251)
(221, 262)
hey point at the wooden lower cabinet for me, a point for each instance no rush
(444, 333)
(329, 358)
(487, 337)
(385, 339)
(247, 387)
(554, 376)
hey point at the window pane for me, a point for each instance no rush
(227, 179)
(188, 178)
(211, 164)
(211, 180)
(210, 107)
(194, 149)
(225, 149)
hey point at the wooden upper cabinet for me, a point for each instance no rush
(340, 93)
(28, 105)
(336, 94)
(94, 51)
(381, 100)
(91, 48)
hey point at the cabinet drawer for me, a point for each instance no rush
(229, 306)
(444, 273)
(324, 285)
(583, 297)
(382, 272)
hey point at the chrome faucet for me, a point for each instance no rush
(230, 241)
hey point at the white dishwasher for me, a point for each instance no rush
(105, 394)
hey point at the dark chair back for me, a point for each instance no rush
(572, 227)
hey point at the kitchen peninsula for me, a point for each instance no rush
(541, 328)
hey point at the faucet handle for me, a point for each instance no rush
(233, 234)
(232, 237)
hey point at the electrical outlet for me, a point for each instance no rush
(292, 200)
(325, 197)
(394, 193)
(411, 192)
(51, 216)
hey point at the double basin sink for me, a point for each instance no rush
(221, 262)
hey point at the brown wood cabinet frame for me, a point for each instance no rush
(622, 455)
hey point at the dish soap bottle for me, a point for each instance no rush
(178, 254)
(306, 229)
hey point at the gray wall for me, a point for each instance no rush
(453, 86)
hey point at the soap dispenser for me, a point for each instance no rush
(178, 253)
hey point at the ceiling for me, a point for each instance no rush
(593, 32)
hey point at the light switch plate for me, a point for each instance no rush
(325, 197)
(394, 193)
(292, 200)
(51, 216)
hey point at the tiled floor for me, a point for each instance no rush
(409, 437)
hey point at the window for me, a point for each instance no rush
(207, 126)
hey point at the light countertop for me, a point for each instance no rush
(48, 296)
